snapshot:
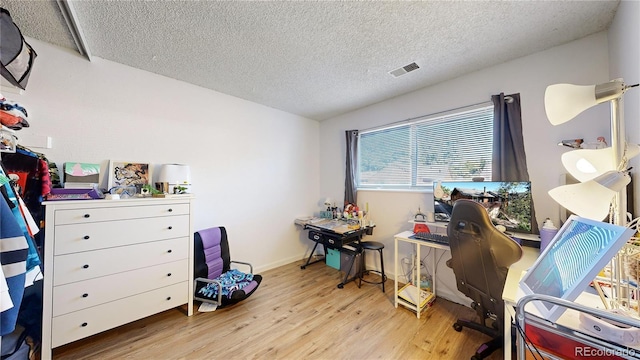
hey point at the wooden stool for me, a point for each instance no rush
(372, 245)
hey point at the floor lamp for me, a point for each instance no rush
(603, 173)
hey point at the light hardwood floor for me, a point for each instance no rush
(295, 314)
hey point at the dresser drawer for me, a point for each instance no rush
(91, 264)
(80, 295)
(91, 236)
(83, 323)
(93, 214)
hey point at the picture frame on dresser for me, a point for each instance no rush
(128, 173)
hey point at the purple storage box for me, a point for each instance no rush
(74, 194)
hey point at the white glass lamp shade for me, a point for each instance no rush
(587, 164)
(175, 174)
(563, 102)
(591, 199)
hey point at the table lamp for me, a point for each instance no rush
(176, 176)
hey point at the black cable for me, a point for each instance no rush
(527, 342)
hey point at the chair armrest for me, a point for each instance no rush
(210, 281)
(244, 263)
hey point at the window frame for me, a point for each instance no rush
(483, 111)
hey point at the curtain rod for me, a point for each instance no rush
(507, 98)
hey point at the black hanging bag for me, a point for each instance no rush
(16, 56)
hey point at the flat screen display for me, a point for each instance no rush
(579, 251)
(508, 203)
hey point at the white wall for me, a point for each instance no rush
(624, 62)
(583, 61)
(254, 168)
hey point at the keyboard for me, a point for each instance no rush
(437, 238)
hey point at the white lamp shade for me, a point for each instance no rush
(587, 164)
(563, 102)
(175, 174)
(591, 199)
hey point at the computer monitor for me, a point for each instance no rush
(574, 257)
(508, 203)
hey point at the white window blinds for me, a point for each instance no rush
(449, 147)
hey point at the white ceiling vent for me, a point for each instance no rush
(405, 69)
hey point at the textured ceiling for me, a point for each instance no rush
(315, 59)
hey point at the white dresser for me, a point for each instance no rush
(110, 262)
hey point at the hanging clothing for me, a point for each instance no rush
(12, 201)
(5, 298)
(14, 252)
(33, 178)
(32, 181)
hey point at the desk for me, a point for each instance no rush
(333, 237)
(510, 293)
(404, 237)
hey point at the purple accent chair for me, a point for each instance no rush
(211, 260)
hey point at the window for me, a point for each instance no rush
(453, 147)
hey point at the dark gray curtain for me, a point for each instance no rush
(509, 159)
(350, 192)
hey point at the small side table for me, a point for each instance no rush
(404, 237)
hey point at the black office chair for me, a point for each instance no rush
(480, 258)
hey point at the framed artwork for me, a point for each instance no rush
(127, 174)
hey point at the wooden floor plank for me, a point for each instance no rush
(295, 314)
